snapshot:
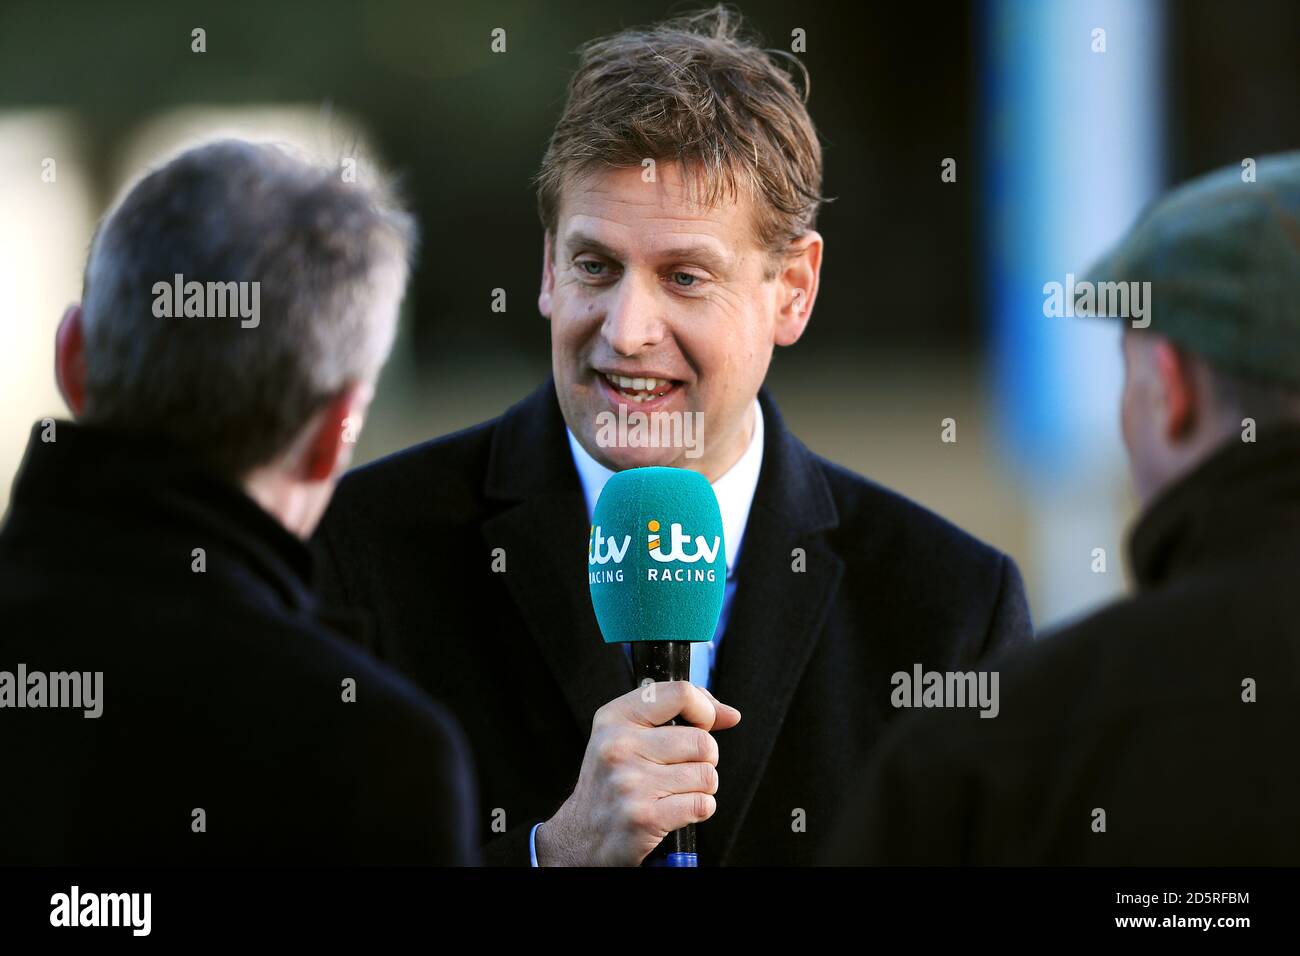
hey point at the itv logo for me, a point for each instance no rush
(602, 550)
(678, 544)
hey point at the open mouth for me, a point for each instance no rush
(640, 389)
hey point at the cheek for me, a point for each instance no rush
(574, 317)
(730, 363)
(744, 326)
(708, 349)
(1127, 405)
(1124, 398)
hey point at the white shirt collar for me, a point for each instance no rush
(734, 490)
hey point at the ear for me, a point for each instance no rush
(548, 278)
(1174, 372)
(797, 287)
(70, 359)
(334, 432)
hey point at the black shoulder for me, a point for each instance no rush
(876, 519)
(410, 751)
(395, 697)
(445, 472)
(316, 661)
(305, 653)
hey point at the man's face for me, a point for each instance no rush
(660, 305)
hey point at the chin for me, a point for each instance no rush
(620, 459)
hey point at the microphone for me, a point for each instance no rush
(657, 568)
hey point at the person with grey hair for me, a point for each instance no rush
(170, 688)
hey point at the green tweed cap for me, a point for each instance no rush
(1223, 258)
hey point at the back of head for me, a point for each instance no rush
(232, 293)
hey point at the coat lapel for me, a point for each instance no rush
(543, 529)
(775, 619)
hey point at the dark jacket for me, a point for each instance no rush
(222, 690)
(1137, 711)
(518, 657)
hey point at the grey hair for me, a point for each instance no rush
(331, 260)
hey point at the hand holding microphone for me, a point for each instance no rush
(639, 781)
(657, 571)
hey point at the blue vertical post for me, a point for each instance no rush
(1072, 138)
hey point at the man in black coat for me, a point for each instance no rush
(170, 690)
(1158, 731)
(665, 310)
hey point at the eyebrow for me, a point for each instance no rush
(580, 240)
(698, 252)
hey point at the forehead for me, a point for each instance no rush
(619, 209)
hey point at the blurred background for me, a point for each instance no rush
(931, 305)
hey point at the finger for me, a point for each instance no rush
(683, 778)
(680, 809)
(727, 716)
(669, 745)
(653, 705)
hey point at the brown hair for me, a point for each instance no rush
(697, 90)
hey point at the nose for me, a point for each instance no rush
(632, 321)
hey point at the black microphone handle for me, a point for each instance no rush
(664, 661)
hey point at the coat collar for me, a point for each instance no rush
(776, 614)
(1239, 498)
(109, 484)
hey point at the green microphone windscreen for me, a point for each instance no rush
(656, 561)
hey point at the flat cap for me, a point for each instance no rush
(1222, 256)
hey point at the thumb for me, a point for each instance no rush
(727, 716)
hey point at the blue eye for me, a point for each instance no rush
(690, 279)
(591, 271)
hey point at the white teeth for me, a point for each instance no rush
(638, 384)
